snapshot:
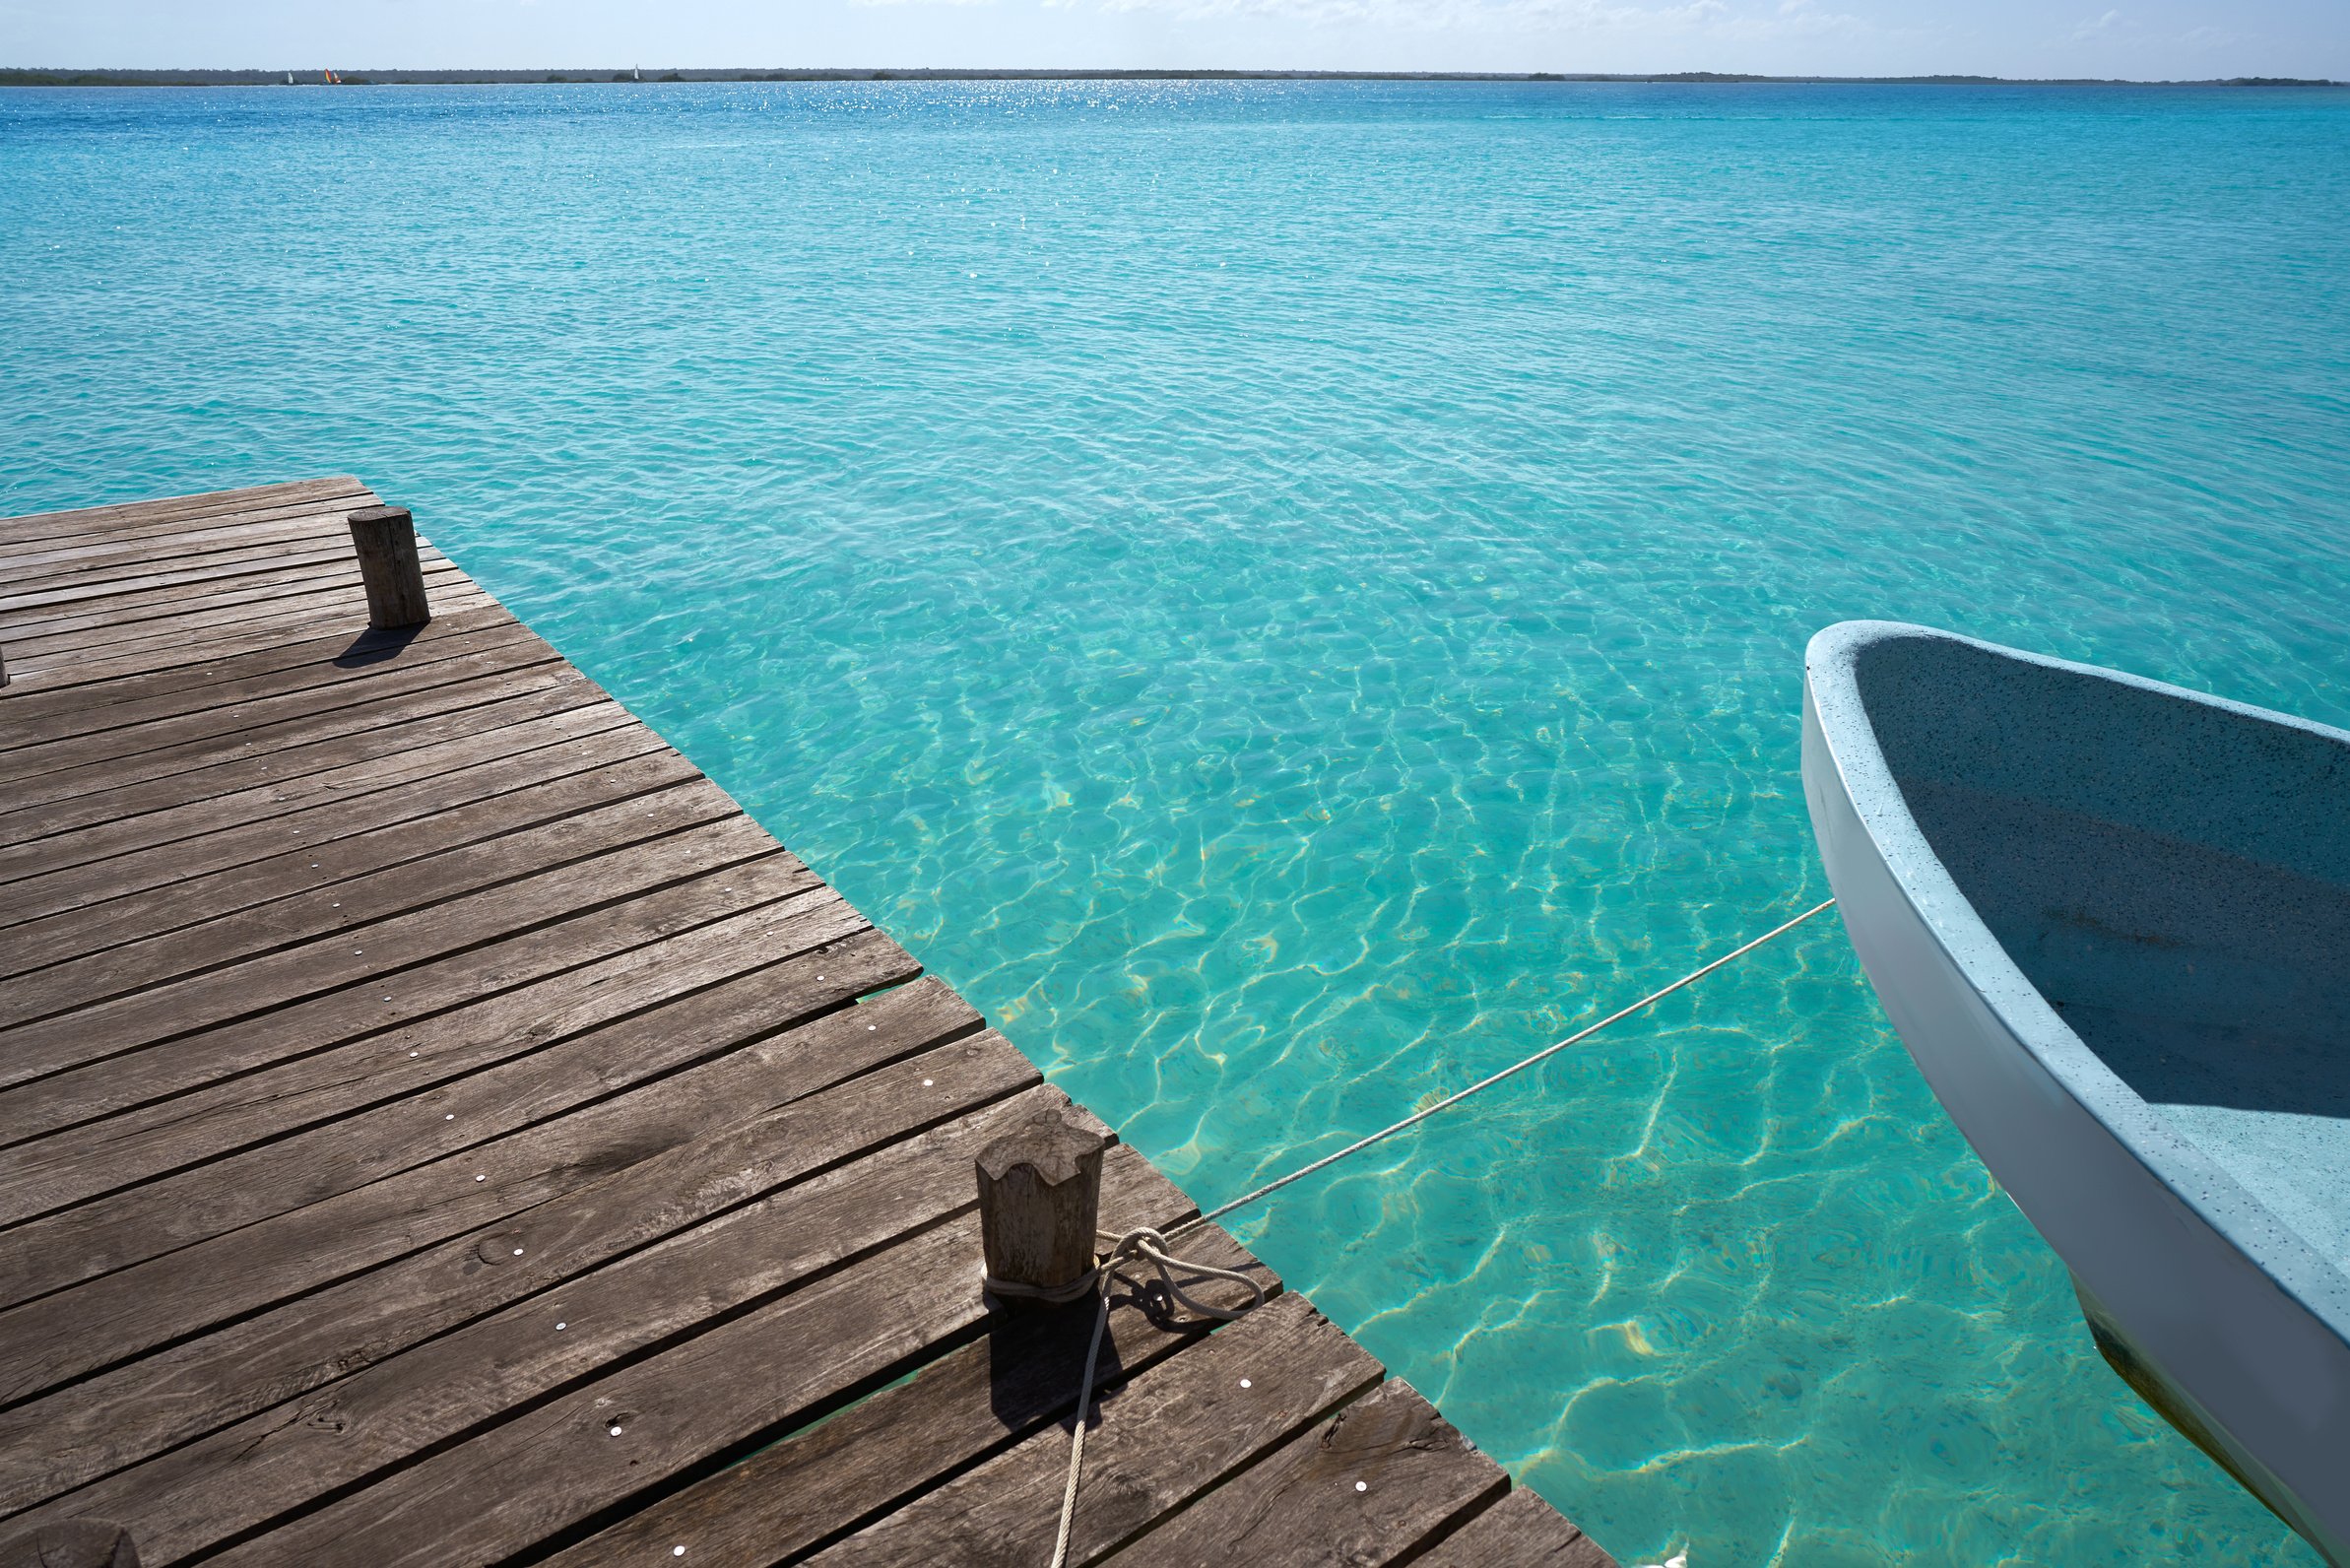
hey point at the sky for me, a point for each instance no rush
(2139, 39)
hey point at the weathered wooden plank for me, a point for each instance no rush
(89, 586)
(98, 1426)
(652, 842)
(295, 788)
(708, 1055)
(223, 737)
(128, 600)
(148, 582)
(563, 775)
(634, 847)
(1167, 1435)
(676, 1413)
(119, 551)
(93, 671)
(52, 715)
(73, 1544)
(92, 753)
(115, 630)
(158, 550)
(261, 508)
(151, 508)
(120, 728)
(388, 1412)
(1365, 1487)
(594, 813)
(730, 956)
(328, 1124)
(682, 837)
(45, 590)
(64, 660)
(1519, 1531)
(61, 656)
(433, 689)
(127, 554)
(419, 1006)
(117, 613)
(286, 649)
(885, 1453)
(94, 635)
(89, 521)
(191, 640)
(120, 1315)
(282, 700)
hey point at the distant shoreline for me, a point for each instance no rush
(314, 77)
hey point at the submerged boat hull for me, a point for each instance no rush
(2238, 1340)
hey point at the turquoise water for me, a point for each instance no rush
(1290, 596)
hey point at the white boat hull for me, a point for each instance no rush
(2234, 1358)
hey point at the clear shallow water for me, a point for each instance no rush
(1291, 596)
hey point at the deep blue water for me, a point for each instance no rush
(1291, 596)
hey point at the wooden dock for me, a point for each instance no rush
(437, 1127)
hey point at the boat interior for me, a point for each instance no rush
(2172, 875)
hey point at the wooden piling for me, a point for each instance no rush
(386, 539)
(1039, 1203)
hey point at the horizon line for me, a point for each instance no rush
(498, 76)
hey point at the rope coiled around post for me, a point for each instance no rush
(1149, 1246)
(1152, 1246)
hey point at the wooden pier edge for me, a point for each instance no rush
(437, 1125)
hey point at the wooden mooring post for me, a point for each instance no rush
(1039, 1203)
(385, 538)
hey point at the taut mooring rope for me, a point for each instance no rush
(1512, 1069)
(1150, 1245)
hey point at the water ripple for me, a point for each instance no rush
(1291, 596)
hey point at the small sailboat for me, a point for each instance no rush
(2110, 920)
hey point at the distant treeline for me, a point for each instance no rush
(13, 77)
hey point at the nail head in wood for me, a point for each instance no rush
(77, 1543)
(385, 538)
(1041, 1200)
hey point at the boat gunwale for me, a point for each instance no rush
(2320, 1284)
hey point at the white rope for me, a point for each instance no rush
(1511, 1070)
(1151, 1247)
(1147, 1245)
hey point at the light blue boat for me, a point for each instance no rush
(2110, 919)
